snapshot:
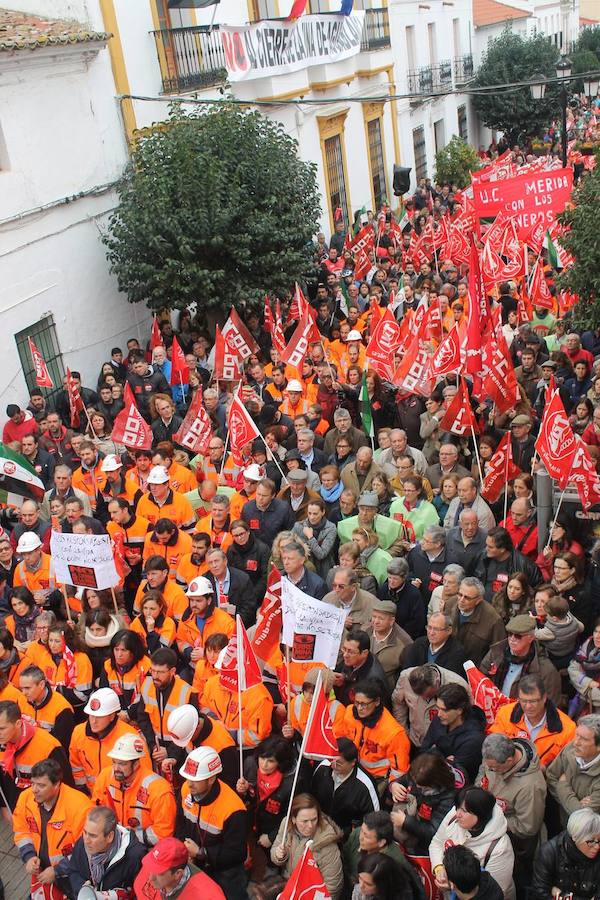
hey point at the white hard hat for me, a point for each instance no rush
(354, 335)
(199, 587)
(182, 723)
(158, 475)
(103, 702)
(28, 541)
(129, 746)
(294, 385)
(111, 463)
(200, 764)
(252, 472)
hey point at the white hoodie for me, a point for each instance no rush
(501, 862)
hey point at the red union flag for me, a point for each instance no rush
(42, 375)
(242, 429)
(238, 337)
(267, 634)
(306, 881)
(227, 361)
(584, 476)
(446, 358)
(277, 335)
(384, 342)
(539, 292)
(485, 693)
(305, 333)
(156, 338)
(458, 418)
(320, 741)
(499, 381)
(131, 429)
(239, 667)
(180, 373)
(268, 318)
(501, 469)
(75, 402)
(556, 443)
(413, 373)
(360, 248)
(478, 313)
(195, 431)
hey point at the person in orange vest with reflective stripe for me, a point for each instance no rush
(73, 675)
(117, 485)
(162, 692)
(157, 579)
(300, 705)
(141, 800)
(383, 744)
(201, 620)
(218, 523)
(25, 744)
(89, 477)
(189, 730)
(139, 474)
(194, 564)
(164, 503)
(213, 823)
(219, 466)
(168, 541)
(551, 729)
(257, 709)
(8, 691)
(91, 740)
(207, 667)
(154, 626)
(10, 658)
(125, 670)
(49, 709)
(181, 479)
(36, 569)
(294, 403)
(48, 819)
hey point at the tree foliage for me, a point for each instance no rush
(215, 207)
(455, 162)
(583, 277)
(511, 58)
(589, 39)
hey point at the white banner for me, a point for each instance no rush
(84, 560)
(311, 628)
(276, 47)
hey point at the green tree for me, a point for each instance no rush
(511, 58)
(214, 207)
(589, 39)
(583, 277)
(455, 163)
(583, 61)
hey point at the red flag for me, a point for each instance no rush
(477, 314)
(539, 292)
(433, 326)
(277, 335)
(485, 693)
(75, 402)
(501, 469)
(360, 247)
(42, 375)
(383, 343)
(535, 238)
(268, 323)
(585, 476)
(306, 881)
(267, 634)
(413, 373)
(446, 358)
(131, 429)
(128, 395)
(156, 338)
(118, 547)
(195, 431)
(227, 362)
(238, 337)
(180, 373)
(499, 381)
(319, 740)
(556, 443)
(239, 667)
(458, 418)
(242, 429)
(305, 333)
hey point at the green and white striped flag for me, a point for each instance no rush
(365, 409)
(554, 255)
(18, 480)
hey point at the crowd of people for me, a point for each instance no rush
(119, 745)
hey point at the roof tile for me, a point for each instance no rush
(490, 12)
(22, 31)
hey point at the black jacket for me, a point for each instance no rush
(312, 584)
(371, 668)
(253, 559)
(63, 408)
(431, 809)
(494, 572)
(353, 799)
(278, 516)
(410, 609)
(451, 656)
(122, 870)
(429, 573)
(462, 743)
(559, 863)
(266, 815)
(241, 594)
(162, 432)
(143, 386)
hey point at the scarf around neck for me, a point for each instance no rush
(331, 495)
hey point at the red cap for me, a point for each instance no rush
(169, 853)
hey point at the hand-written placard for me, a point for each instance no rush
(84, 560)
(312, 629)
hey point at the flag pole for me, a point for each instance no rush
(224, 454)
(473, 430)
(273, 457)
(64, 592)
(87, 415)
(239, 682)
(311, 713)
(506, 477)
(288, 685)
(561, 498)
(114, 596)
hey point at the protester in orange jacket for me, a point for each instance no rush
(257, 709)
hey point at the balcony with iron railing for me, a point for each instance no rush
(192, 58)
(430, 79)
(463, 68)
